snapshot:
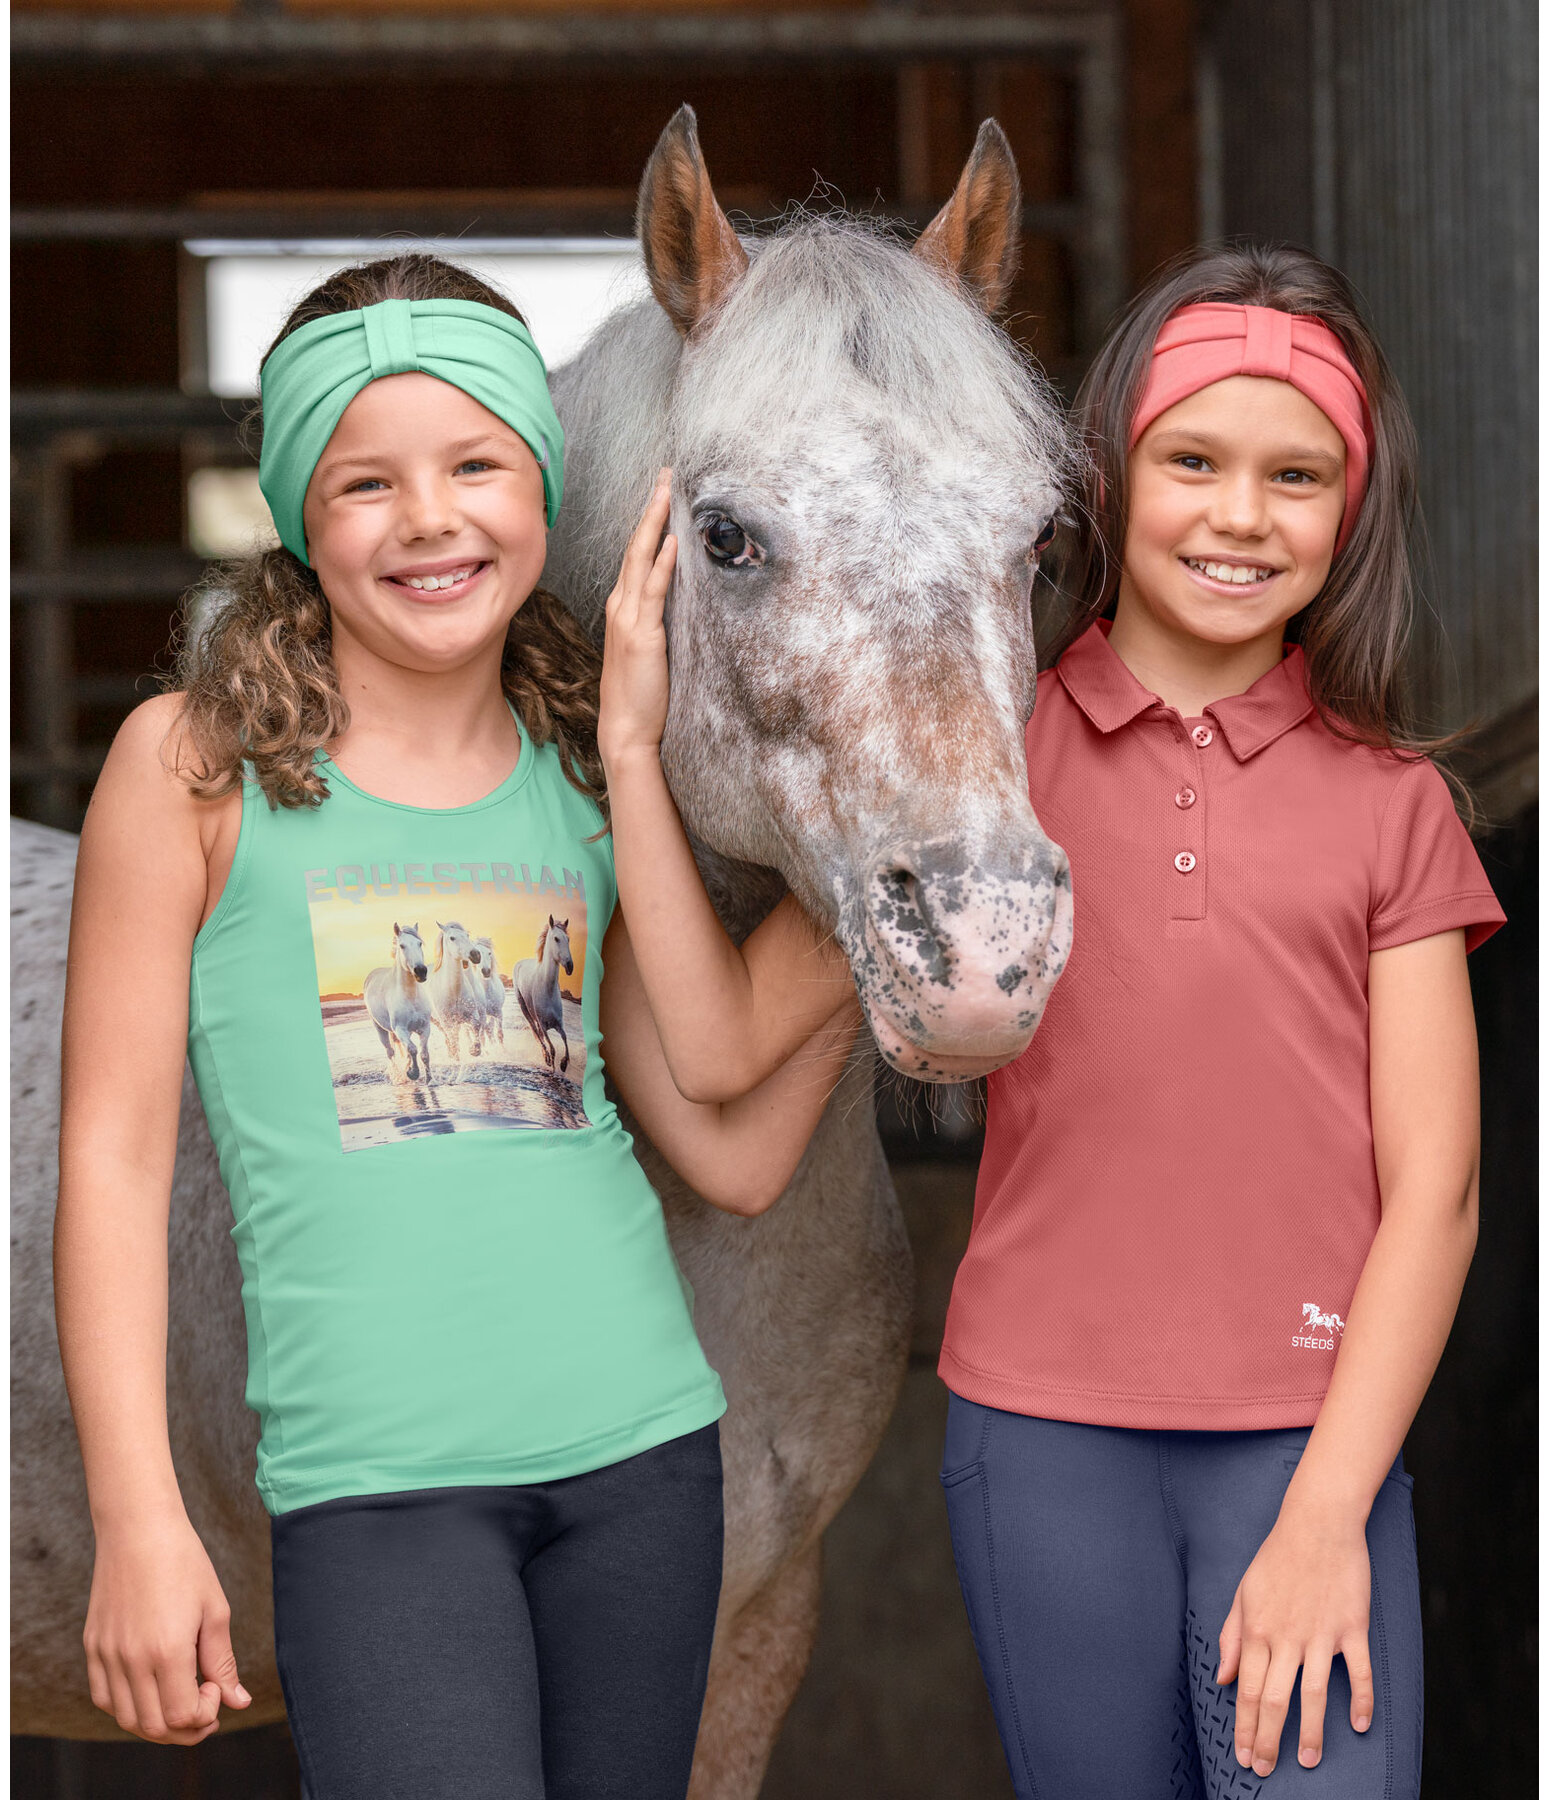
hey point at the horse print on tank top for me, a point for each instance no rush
(451, 996)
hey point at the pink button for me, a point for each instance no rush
(1184, 797)
(1184, 861)
(1202, 734)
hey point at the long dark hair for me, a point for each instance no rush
(255, 661)
(1355, 630)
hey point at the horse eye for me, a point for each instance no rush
(728, 544)
(1045, 538)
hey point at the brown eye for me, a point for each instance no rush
(728, 544)
(1045, 538)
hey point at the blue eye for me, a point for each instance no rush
(478, 464)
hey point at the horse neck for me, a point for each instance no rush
(743, 893)
(613, 399)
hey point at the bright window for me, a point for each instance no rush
(563, 287)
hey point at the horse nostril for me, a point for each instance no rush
(899, 886)
(420, 971)
(900, 908)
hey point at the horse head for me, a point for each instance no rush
(409, 951)
(559, 935)
(863, 467)
(457, 938)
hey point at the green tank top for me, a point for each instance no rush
(454, 1271)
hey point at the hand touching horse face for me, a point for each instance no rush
(863, 466)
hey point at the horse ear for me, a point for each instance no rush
(564, 924)
(976, 237)
(551, 918)
(395, 928)
(693, 258)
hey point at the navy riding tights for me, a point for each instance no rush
(1098, 1566)
(547, 1642)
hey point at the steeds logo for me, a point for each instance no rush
(1314, 1325)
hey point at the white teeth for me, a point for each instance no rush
(431, 583)
(1239, 574)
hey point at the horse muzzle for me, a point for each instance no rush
(956, 953)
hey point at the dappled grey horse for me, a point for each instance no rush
(863, 466)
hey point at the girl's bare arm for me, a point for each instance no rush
(743, 1009)
(157, 1614)
(738, 1154)
(1305, 1597)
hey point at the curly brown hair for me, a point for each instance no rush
(255, 660)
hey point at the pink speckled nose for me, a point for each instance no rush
(962, 952)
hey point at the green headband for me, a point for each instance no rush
(310, 377)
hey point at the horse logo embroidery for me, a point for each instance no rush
(437, 1013)
(1319, 1329)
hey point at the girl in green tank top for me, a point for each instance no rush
(360, 867)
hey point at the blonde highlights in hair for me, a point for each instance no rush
(255, 659)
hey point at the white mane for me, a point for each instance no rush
(833, 315)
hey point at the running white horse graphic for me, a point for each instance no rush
(457, 988)
(1313, 1319)
(537, 981)
(396, 1000)
(494, 991)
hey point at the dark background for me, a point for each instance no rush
(1394, 136)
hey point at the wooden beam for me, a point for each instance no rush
(299, 220)
(411, 45)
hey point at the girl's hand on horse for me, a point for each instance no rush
(1303, 1600)
(157, 1618)
(633, 708)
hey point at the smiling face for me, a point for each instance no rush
(425, 522)
(1236, 496)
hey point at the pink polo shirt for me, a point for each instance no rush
(1178, 1191)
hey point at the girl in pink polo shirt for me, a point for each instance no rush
(1228, 1194)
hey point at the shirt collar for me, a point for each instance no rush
(1111, 696)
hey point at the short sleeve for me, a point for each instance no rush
(1429, 878)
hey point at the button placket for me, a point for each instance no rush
(1188, 874)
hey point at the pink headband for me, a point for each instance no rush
(1210, 342)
